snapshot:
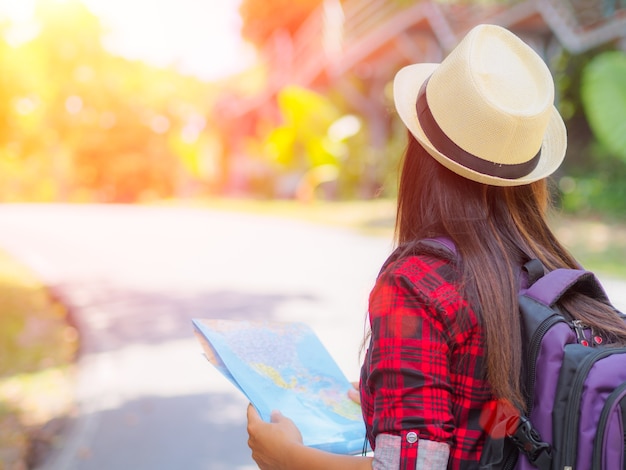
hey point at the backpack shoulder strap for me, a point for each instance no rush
(549, 288)
(439, 243)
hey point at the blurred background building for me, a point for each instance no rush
(349, 51)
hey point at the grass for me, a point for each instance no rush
(374, 217)
(599, 245)
(37, 349)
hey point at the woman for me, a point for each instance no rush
(445, 343)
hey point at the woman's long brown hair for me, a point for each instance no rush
(496, 230)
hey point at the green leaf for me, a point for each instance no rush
(603, 93)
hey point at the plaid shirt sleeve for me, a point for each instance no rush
(423, 376)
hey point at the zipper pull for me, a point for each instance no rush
(596, 339)
(579, 329)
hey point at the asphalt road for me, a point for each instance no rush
(134, 278)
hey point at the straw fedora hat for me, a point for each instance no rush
(486, 112)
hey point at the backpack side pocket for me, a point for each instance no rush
(610, 440)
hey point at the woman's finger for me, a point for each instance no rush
(276, 416)
(354, 394)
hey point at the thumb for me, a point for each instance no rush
(253, 414)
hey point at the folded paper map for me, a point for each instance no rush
(285, 367)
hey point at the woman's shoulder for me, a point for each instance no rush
(425, 265)
(430, 281)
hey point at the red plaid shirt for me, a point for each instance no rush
(423, 371)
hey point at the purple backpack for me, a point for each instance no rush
(575, 383)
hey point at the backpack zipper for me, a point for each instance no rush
(579, 329)
(533, 351)
(570, 443)
(616, 396)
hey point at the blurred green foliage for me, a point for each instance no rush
(591, 90)
(603, 93)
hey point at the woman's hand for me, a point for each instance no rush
(269, 441)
